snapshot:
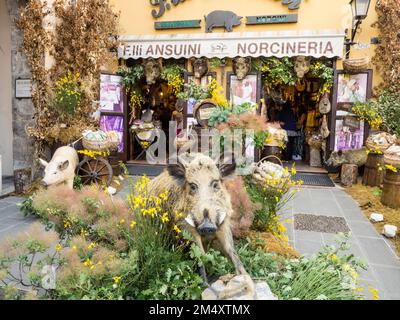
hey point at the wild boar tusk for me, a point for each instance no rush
(190, 221)
(221, 217)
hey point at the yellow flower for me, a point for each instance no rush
(117, 280)
(67, 224)
(88, 263)
(176, 229)
(333, 257)
(122, 221)
(58, 247)
(178, 214)
(391, 167)
(84, 233)
(74, 248)
(375, 293)
(133, 224)
(91, 245)
(164, 218)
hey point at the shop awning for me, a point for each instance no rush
(321, 43)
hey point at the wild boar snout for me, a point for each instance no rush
(207, 227)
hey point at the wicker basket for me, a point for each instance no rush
(391, 159)
(356, 65)
(95, 145)
(373, 147)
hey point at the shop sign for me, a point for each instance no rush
(23, 88)
(231, 45)
(179, 24)
(164, 5)
(272, 19)
(351, 122)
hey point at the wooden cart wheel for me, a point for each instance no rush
(98, 171)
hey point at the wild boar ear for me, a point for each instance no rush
(43, 162)
(178, 172)
(63, 165)
(227, 169)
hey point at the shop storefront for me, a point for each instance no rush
(238, 48)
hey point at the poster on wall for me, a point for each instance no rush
(352, 88)
(111, 93)
(243, 91)
(113, 123)
(349, 136)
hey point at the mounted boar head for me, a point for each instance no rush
(152, 70)
(241, 67)
(200, 68)
(201, 180)
(302, 66)
(53, 172)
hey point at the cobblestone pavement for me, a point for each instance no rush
(12, 220)
(384, 266)
(365, 243)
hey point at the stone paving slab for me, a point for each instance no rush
(12, 221)
(366, 243)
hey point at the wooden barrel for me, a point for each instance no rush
(349, 174)
(114, 161)
(272, 151)
(391, 189)
(372, 176)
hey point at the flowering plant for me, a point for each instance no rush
(271, 186)
(174, 76)
(93, 154)
(68, 93)
(216, 92)
(276, 71)
(368, 112)
(323, 71)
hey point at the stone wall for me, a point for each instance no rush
(22, 109)
(5, 92)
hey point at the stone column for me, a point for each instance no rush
(22, 109)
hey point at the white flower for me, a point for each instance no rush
(111, 190)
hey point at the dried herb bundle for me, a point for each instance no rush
(85, 34)
(387, 57)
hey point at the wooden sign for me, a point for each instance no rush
(179, 24)
(272, 19)
(23, 88)
(162, 6)
(351, 122)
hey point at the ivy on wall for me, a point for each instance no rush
(82, 42)
(387, 56)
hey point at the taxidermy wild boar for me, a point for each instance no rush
(219, 18)
(61, 167)
(302, 66)
(200, 68)
(241, 67)
(195, 188)
(152, 70)
(357, 157)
